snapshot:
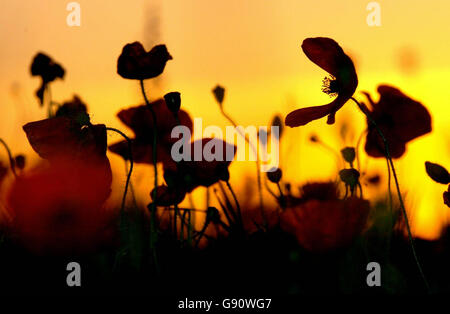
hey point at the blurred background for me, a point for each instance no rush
(252, 48)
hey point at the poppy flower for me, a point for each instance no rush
(321, 221)
(166, 196)
(400, 118)
(137, 64)
(48, 70)
(58, 209)
(75, 109)
(328, 55)
(140, 120)
(64, 138)
(189, 174)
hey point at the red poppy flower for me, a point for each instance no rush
(447, 197)
(321, 221)
(327, 54)
(137, 64)
(139, 119)
(59, 209)
(188, 175)
(400, 118)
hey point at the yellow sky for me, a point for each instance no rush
(252, 47)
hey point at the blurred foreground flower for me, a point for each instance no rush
(135, 63)
(58, 208)
(400, 118)
(328, 55)
(139, 119)
(321, 221)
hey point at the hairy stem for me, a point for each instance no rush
(258, 166)
(400, 198)
(130, 153)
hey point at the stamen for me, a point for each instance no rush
(330, 86)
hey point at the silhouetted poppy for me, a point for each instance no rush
(167, 196)
(400, 118)
(64, 138)
(135, 63)
(328, 55)
(140, 120)
(47, 69)
(75, 109)
(59, 208)
(190, 174)
(321, 221)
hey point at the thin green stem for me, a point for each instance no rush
(402, 205)
(11, 160)
(130, 153)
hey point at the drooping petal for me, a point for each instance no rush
(303, 116)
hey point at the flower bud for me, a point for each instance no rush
(437, 173)
(173, 101)
(275, 176)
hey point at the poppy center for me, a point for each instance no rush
(330, 86)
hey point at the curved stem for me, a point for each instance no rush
(400, 198)
(11, 160)
(130, 153)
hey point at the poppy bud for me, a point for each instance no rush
(173, 102)
(437, 173)
(276, 121)
(275, 176)
(349, 177)
(213, 215)
(313, 138)
(19, 162)
(349, 154)
(219, 94)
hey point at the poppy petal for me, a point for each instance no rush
(303, 116)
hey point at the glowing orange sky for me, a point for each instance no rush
(253, 48)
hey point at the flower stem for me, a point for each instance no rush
(258, 166)
(130, 153)
(237, 203)
(402, 205)
(155, 167)
(11, 160)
